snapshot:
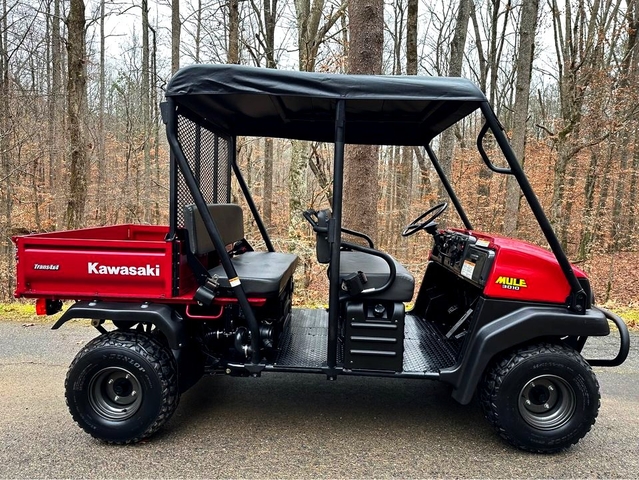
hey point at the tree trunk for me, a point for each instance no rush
(100, 188)
(310, 35)
(268, 181)
(175, 35)
(527, 29)
(198, 30)
(5, 159)
(233, 55)
(270, 12)
(457, 46)
(146, 114)
(56, 112)
(366, 28)
(404, 175)
(76, 101)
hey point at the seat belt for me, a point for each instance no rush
(354, 283)
(208, 284)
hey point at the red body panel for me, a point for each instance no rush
(114, 262)
(522, 271)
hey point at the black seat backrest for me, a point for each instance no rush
(228, 220)
(323, 247)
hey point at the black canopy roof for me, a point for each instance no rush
(382, 110)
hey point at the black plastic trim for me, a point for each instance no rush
(167, 320)
(516, 328)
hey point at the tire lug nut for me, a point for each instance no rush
(127, 376)
(532, 384)
(527, 402)
(546, 406)
(550, 387)
(110, 381)
(133, 393)
(117, 398)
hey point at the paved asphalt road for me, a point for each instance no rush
(290, 426)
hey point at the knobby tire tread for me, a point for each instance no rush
(160, 359)
(495, 376)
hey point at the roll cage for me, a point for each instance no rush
(208, 106)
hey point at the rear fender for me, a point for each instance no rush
(516, 328)
(165, 319)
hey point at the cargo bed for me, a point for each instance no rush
(111, 262)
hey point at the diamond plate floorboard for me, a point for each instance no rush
(304, 341)
(425, 349)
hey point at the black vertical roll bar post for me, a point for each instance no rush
(578, 300)
(249, 198)
(209, 224)
(334, 236)
(448, 186)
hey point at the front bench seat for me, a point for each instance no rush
(374, 267)
(262, 274)
(377, 271)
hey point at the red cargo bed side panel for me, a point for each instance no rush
(122, 261)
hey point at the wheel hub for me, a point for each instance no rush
(547, 402)
(115, 393)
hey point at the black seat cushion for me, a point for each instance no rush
(261, 273)
(377, 271)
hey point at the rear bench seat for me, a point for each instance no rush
(262, 274)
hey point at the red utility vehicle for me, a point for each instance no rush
(493, 315)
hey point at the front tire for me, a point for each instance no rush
(122, 387)
(541, 398)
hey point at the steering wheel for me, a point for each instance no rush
(420, 224)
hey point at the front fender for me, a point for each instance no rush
(167, 320)
(515, 328)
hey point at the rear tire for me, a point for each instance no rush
(122, 387)
(541, 398)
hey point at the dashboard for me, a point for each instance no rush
(464, 254)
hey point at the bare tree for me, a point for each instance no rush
(175, 35)
(454, 70)
(404, 174)
(76, 101)
(311, 33)
(233, 55)
(366, 32)
(527, 29)
(101, 131)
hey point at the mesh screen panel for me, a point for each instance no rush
(208, 157)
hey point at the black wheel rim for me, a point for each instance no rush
(547, 402)
(115, 393)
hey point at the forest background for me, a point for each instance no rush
(82, 142)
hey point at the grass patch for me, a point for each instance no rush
(17, 311)
(24, 311)
(629, 313)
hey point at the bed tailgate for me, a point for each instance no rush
(123, 261)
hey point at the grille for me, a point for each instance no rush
(208, 157)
